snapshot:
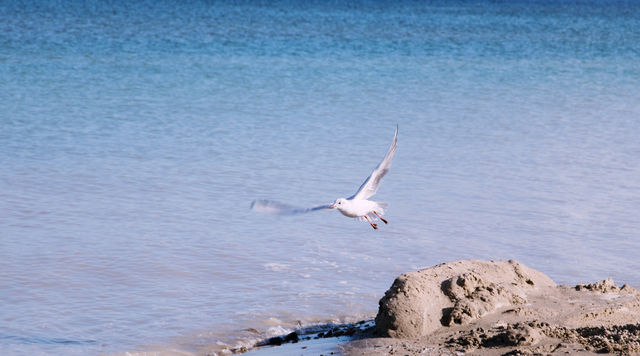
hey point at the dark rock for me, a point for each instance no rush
(292, 337)
(274, 341)
(350, 332)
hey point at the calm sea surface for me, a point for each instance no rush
(134, 136)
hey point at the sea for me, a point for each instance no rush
(134, 136)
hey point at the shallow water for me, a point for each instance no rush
(133, 138)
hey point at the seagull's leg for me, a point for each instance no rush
(374, 226)
(381, 218)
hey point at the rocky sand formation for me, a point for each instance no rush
(500, 308)
(454, 293)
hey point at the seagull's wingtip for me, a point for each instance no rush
(259, 205)
(395, 135)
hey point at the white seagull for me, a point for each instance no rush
(356, 206)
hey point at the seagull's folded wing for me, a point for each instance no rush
(275, 208)
(371, 184)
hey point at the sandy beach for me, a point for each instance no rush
(481, 308)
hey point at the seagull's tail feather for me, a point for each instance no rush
(276, 208)
(380, 209)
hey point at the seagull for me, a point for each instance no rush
(357, 206)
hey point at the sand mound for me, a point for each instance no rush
(419, 303)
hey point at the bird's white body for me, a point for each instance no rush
(356, 206)
(359, 208)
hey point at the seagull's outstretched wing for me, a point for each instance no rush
(275, 208)
(371, 184)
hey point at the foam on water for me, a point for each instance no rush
(134, 136)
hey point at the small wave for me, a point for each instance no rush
(277, 267)
(277, 330)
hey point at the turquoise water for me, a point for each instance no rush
(133, 138)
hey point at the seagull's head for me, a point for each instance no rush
(339, 203)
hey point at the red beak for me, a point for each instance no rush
(332, 206)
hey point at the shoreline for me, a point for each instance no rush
(498, 308)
